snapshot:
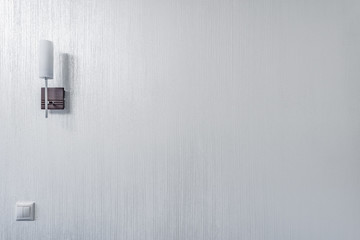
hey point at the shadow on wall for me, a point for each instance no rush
(66, 80)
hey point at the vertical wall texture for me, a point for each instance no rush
(188, 119)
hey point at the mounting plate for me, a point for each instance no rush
(56, 98)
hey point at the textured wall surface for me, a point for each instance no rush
(185, 120)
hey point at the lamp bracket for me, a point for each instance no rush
(56, 98)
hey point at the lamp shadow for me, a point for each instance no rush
(66, 80)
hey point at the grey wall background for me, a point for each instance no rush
(185, 120)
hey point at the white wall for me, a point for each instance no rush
(185, 120)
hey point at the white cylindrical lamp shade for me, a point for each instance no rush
(46, 59)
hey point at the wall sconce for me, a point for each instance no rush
(51, 98)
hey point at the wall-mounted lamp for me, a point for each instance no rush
(51, 98)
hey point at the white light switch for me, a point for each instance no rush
(25, 211)
(19, 213)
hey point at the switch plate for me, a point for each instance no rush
(25, 211)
